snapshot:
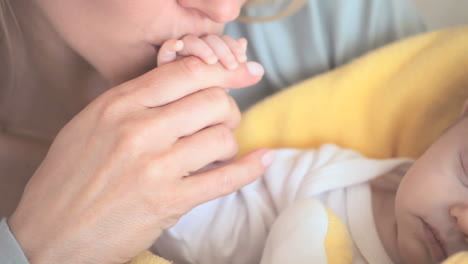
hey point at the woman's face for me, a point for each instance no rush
(120, 38)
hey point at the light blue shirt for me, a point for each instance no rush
(10, 250)
(321, 36)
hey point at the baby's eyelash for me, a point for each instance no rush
(464, 161)
(462, 173)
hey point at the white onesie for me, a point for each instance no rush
(234, 228)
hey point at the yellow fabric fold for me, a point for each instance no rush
(338, 245)
(148, 258)
(392, 102)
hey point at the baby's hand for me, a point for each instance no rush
(210, 49)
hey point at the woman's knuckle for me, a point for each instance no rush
(217, 95)
(225, 137)
(157, 167)
(110, 107)
(227, 107)
(160, 123)
(235, 111)
(107, 111)
(131, 135)
(226, 185)
(233, 148)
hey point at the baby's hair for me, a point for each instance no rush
(292, 7)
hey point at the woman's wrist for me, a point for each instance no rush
(24, 241)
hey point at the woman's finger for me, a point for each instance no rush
(180, 78)
(182, 118)
(215, 143)
(224, 180)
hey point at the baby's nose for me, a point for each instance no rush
(459, 213)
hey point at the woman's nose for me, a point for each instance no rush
(459, 213)
(220, 11)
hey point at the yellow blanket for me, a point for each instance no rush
(392, 102)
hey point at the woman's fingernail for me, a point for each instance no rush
(268, 158)
(255, 68)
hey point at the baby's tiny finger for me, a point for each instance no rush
(243, 43)
(194, 46)
(222, 51)
(237, 48)
(168, 51)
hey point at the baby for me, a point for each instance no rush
(396, 210)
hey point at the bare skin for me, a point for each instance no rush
(123, 136)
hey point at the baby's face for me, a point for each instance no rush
(431, 205)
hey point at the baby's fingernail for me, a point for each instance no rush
(268, 158)
(255, 68)
(243, 43)
(212, 60)
(179, 45)
(242, 58)
(232, 65)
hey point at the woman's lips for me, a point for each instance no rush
(434, 241)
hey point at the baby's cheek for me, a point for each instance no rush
(410, 193)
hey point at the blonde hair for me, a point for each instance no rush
(291, 8)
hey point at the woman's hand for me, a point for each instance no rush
(116, 175)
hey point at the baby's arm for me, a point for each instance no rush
(210, 48)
